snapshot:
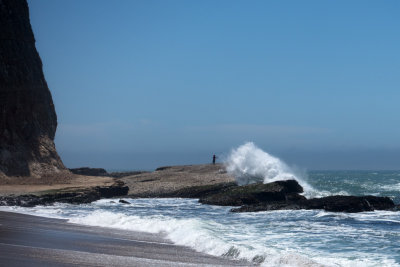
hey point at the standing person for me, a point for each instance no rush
(214, 158)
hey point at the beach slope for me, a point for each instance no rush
(36, 241)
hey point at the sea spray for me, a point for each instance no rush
(250, 164)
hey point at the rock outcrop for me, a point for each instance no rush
(28, 119)
(89, 171)
(254, 194)
(350, 203)
(188, 181)
(68, 195)
(188, 191)
(285, 195)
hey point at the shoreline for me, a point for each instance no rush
(210, 183)
(37, 241)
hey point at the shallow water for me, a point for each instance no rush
(277, 238)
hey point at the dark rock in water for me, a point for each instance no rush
(28, 119)
(280, 191)
(90, 171)
(331, 203)
(123, 201)
(118, 189)
(68, 195)
(284, 195)
(278, 205)
(350, 203)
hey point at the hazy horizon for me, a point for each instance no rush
(142, 84)
(319, 161)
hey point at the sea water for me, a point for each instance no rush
(271, 238)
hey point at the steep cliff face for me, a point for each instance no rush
(28, 120)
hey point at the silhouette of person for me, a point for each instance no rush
(214, 158)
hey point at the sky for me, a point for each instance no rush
(142, 84)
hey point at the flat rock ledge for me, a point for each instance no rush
(72, 195)
(186, 192)
(285, 195)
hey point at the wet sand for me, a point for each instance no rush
(36, 241)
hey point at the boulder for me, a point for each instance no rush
(279, 191)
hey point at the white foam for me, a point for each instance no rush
(194, 233)
(269, 236)
(391, 187)
(205, 236)
(325, 193)
(199, 235)
(249, 164)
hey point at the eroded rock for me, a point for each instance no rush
(280, 191)
(67, 195)
(28, 119)
(285, 195)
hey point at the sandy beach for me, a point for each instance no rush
(37, 241)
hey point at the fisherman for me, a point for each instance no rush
(214, 158)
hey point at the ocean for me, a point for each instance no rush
(274, 238)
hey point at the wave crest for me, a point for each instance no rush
(250, 164)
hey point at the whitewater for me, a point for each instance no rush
(273, 238)
(250, 164)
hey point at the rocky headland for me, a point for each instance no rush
(210, 183)
(214, 186)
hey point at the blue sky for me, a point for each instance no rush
(139, 84)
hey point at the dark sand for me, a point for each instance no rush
(36, 241)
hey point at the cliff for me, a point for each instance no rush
(28, 119)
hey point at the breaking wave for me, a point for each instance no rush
(276, 238)
(250, 164)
